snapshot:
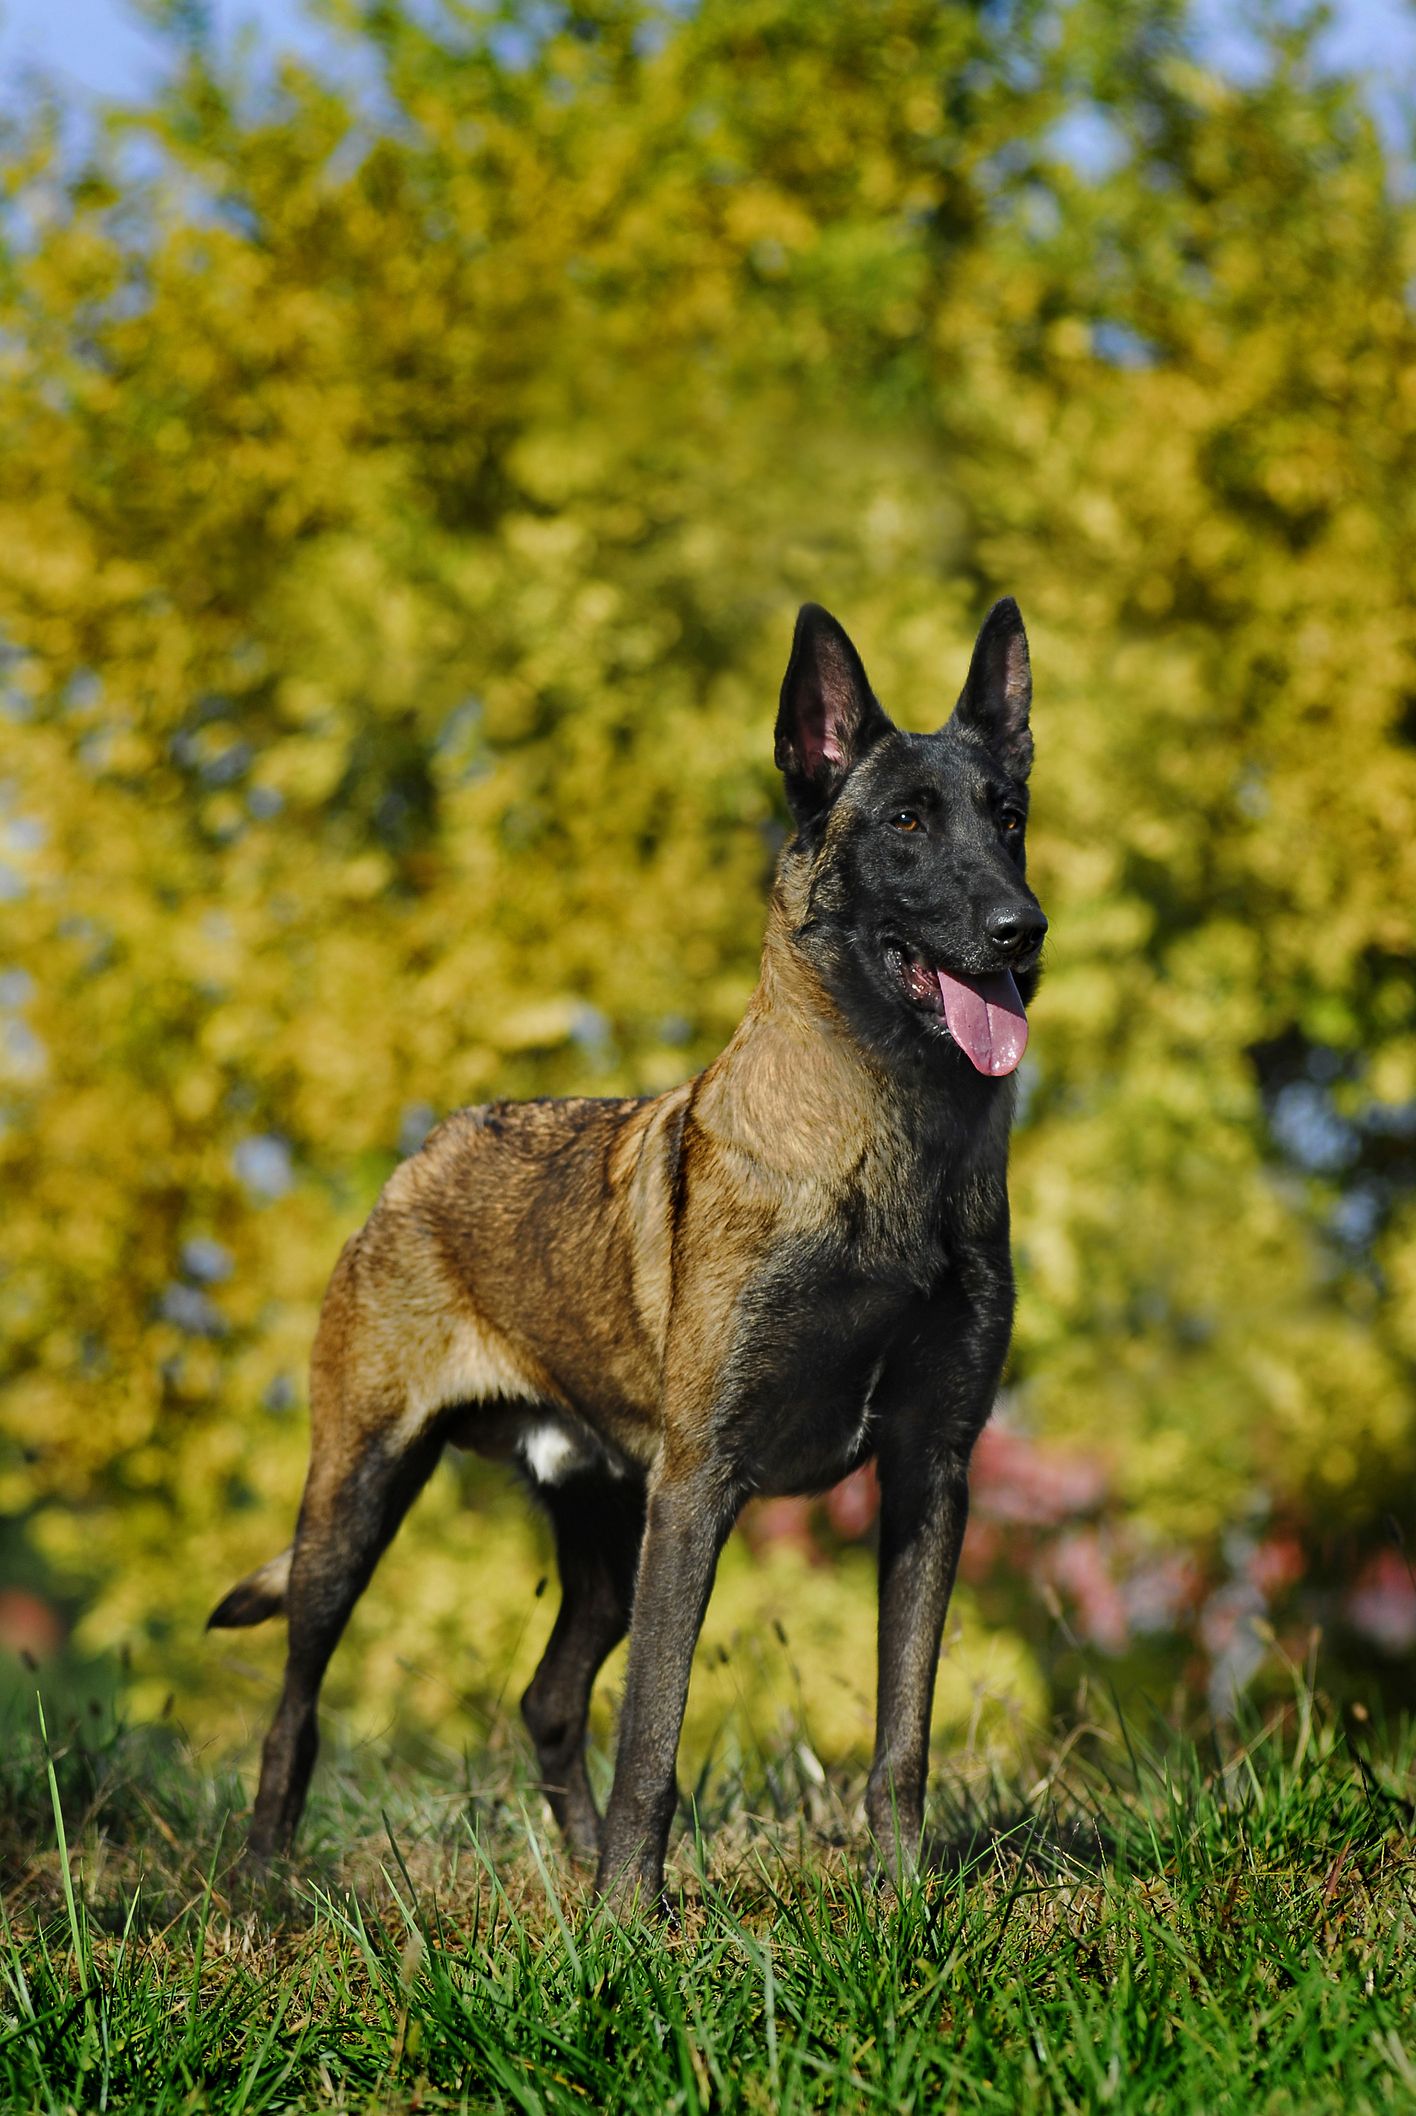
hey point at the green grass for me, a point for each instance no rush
(1132, 1925)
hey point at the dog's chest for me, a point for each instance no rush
(812, 1339)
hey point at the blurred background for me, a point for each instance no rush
(419, 422)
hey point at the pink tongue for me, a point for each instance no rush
(986, 1019)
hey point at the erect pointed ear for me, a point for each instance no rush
(828, 717)
(997, 696)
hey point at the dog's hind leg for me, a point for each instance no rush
(348, 1516)
(399, 1354)
(599, 1523)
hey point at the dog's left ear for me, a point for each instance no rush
(828, 717)
(996, 699)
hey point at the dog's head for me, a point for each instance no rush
(906, 875)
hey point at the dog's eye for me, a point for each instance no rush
(905, 819)
(1012, 821)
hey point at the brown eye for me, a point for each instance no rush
(905, 820)
(1012, 821)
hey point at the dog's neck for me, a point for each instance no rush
(795, 1089)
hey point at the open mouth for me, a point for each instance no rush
(984, 1015)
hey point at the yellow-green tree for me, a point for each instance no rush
(404, 500)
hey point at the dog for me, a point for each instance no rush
(753, 1283)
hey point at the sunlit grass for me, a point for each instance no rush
(1133, 1922)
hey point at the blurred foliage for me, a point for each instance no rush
(406, 489)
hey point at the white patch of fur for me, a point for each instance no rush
(553, 1452)
(274, 1576)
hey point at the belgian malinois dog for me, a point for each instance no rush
(754, 1283)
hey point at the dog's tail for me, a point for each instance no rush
(259, 1595)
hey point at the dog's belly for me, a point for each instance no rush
(549, 1444)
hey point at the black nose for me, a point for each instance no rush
(1015, 929)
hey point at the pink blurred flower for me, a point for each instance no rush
(781, 1521)
(29, 1625)
(1078, 1566)
(1277, 1563)
(1382, 1605)
(852, 1504)
(1018, 1479)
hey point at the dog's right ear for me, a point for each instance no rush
(997, 697)
(828, 717)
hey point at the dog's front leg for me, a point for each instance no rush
(932, 1403)
(689, 1516)
(924, 1507)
